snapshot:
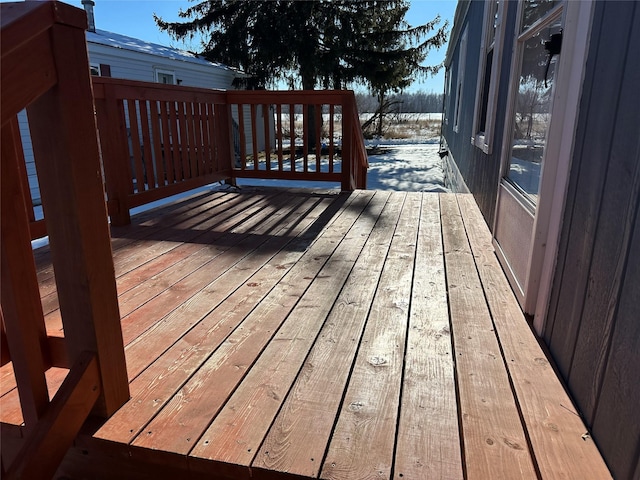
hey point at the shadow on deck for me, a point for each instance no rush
(305, 334)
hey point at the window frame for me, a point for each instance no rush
(495, 14)
(462, 54)
(161, 71)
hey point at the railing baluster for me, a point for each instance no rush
(134, 136)
(157, 147)
(243, 140)
(279, 135)
(331, 135)
(184, 140)
(305, 137)
(146, 146)
(266, 116)
(210, 139)
(292, 136)
(318, 131)
(254, 137)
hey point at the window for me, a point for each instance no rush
(165, 76)
(100, 69)
(487, 88)
(462, 54)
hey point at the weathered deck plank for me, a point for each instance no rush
(428, 444)
(495, 444)
(363, 440)
(553, 425)
(292, 334)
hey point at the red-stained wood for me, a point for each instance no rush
(553, 425)
(192, 144)
(428, 440)
(266, 116)
(242, 137)
(167, 151)
(55, 431)
(494, 440)
(134, 138)
(183, 144)
(254, 136)
(231, 352)
(305, 138)
(146, 146)
(21, 308)
(331, 136)
(157, 143)
(225, 156)
(301, 432)
(317, 109)
(238, 430)
(115, 155)
(363, 440)
(198, 343)
(174, 128)
(279, 135)
(292, 137)
(65, 146)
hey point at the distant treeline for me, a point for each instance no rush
(417, 102)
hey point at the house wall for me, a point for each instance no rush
(480, 171)
(593, 322)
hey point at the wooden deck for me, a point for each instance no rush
(304, 334)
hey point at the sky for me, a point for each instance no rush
(135, 18)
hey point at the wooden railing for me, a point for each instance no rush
(45, 69)
(299, 135)
(159, 140)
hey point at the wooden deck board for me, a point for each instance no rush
(495, 444)
(298, 334)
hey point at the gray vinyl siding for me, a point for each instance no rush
(593, 324)
(480, 172)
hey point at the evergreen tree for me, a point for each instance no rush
(328, 44)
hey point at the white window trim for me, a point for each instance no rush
(159, 71)
(97, 67)
(457, 107)
(484, 140)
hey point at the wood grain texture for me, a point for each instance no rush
(204, 393)
(363, 440)
(300, 433)
(239, 428)
(63, 129)
(428, 443)
(21, 311)
(553, 427)
(495, 445)
(252, 353)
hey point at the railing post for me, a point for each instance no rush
(347, 143)
(63, 128)
(115, 153)
(21, 307)
(225, 152)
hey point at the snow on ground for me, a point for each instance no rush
(407, 165)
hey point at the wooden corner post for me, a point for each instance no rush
(63, 128)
